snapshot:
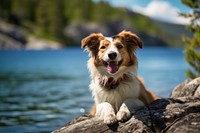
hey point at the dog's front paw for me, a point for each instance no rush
(123, 115)
(110, 119)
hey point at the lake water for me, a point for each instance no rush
(43, 90)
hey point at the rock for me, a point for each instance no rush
(16, 38)
(11, 36)
(178, 114)
(187, 88)
(77, 31)
(7, 42)
(39, 44)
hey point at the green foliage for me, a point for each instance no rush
(192, 48)
(191, 3)
(5, 8)
(77, 11)
(50, 20)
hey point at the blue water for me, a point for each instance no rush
(43, 90)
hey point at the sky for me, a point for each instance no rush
(163, 10)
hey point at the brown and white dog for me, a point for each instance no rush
(116, 89)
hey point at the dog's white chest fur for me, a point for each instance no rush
(115, 104)
(125, 90)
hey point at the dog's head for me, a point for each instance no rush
(111, 54)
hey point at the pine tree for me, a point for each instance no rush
(50, 19)
(192, 47)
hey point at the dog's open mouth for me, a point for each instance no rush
(112, 66)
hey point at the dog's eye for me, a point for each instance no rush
(102, 47)
(119, 46)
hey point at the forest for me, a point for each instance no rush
(50, 19)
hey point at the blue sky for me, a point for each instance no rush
(163, 10)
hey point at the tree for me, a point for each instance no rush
(50, 19)
(5, 9)
(192, 48)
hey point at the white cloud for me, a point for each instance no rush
(162, 10)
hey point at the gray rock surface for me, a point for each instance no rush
(16, 38)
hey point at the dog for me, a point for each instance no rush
(115, 86)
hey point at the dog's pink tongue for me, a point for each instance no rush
(112, 67)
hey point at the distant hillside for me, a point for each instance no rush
(68, 21)
(174, 32)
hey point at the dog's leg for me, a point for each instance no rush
(106, 112)
(127, 107)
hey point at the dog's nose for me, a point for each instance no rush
(112, 55)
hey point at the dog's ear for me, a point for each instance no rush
(131, 38)
(91, 41)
